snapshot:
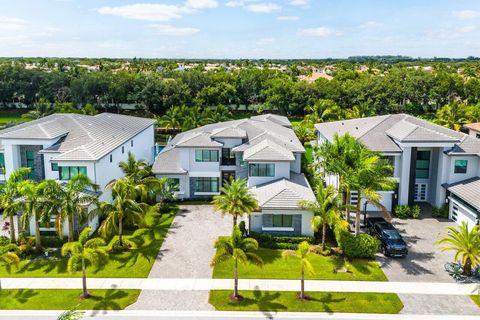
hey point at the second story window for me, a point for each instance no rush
(67, 173)
(423, 165)
(261, 170)
(111, 158)
(460, 166)
(123, 149)
(54, 166)
(206, 155)
(228, 158)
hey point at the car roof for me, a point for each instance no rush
(385, 225)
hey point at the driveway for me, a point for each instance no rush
(186, 253)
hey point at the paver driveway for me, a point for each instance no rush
(186, 253)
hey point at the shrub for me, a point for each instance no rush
(52, 241)
(415, 211)
(279, 242)
(361, 246)
(440, 212)
(243, 228)
(4, 241)
(402, 211)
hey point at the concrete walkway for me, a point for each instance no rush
(417, 288)
(192, 315)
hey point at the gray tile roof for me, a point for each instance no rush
(229, 132)
(284, 193)
(469, 145)
(267, 150)
(275, 118)
(81, 137)
(381, 133)
(468, 190)
(168, 162)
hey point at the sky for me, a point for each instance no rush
(273, 29)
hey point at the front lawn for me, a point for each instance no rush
(277, 268)
(12, 116)
(286, 301)
(66, 299)
(135, 263)
(476, 299)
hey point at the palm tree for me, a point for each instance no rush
(9, 256)
(82, 252)
(362, 110)
(123, 209)
(371, 175)
(36, 201)
(235, 200)
(305, 131)
(240, 250)
(302, 253)
(72, 202)
(136, 169)
(8, 197)
(42, 109)
(71, 315)
(172, 119)
(465, 242)
(322, 111)
(452, 115)
(326, 206)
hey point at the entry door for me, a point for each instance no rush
(226, 175)
(421, 192)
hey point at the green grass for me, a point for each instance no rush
(286, 301)
(7, 117)
(309, 152)
(277, 268)
(295, 121)
(135, 263)
(476, 299)
(66, 299)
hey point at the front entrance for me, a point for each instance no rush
(420, 194)
(226, 175)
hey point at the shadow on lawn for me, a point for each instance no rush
(23, 295)
(108, 301)
(264, 301)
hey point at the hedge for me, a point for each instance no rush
(279, 242)
(361, 246)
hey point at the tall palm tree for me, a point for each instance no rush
(82, 252)
(371, 175)
(240, 250)
(72, 201)
(35, 202)
(8, 197)
(326, 205)
(172, 119)
(465, 242)
(9, 256)
(235, 199)
(136, 169)
(322, 111)
(452, 115)
(123, 209)
(303, 252)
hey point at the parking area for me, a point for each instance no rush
(424, 262)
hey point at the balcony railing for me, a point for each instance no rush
(227, 162)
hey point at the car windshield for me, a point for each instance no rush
(391, 234)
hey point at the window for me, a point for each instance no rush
(206, 155)
(478, 135)
(262, 170)
(111, 158)
(66, 173)
(2, 163)
(282, 221)
(423, 165)
(206, 184)
(54, 166)
(228, 158)
(461, 166)
(123, 149)
(175, 183)
(131, 143)
(30, 159)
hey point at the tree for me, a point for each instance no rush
(302, 253)
(9, 256)
(123, 209)
(235, 199)
(304, 131)
(136, 169)
(9, 193)
(42, 109)
(452, 115)
(72, 201)
(82, 252)
(326, 205)
(323, 111)
(240, 250)
(465, 242)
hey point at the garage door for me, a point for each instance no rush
(386, 201)
(460, 213)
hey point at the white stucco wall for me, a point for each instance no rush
(256, 220)
(295, 166)
(184, 187)
(194, 166)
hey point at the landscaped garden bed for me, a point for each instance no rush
(287, 301)
(476, 299)
(66, 299)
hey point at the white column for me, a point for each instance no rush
(404, 176)
(12, 158)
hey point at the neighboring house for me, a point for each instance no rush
(264, 150)
(431, 163)
(473, 129)
(61, 146)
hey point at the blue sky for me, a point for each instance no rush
(239, 28)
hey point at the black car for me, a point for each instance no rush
(391, 241)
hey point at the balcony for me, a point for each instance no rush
(227, 162)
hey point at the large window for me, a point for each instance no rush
(423, 165)
(66, 173)
(206, 184)
(262, 170)
(30, 159)
(282, 221)
(228, 158)
(206, 155)
(461, 166)
(54, 166)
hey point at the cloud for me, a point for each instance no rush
(300, 3)
(11, 23)
(466, 14)
(168, 30)
(288, 18)
(263, 7)
(157, 12)
(467, 29)
(239, 3)
(371, 25)
(321, 32)
(265, 41)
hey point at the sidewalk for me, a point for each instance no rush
(185, 315)
(161, 284)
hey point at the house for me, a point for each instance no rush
(473, 129)
(431, 163)
(61, 146)
(263, 149)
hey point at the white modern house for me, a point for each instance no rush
(61, 146)
(264, 150)
(431, 163)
